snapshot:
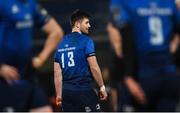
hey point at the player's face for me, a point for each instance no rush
(85, 25)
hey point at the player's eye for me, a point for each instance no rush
(87, 22)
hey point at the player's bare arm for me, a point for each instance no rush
(55, 34)
(115, 39)
(174, 43)
(96, 72)
(58, 83)
(135, 89)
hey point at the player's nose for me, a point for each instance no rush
(89, 25)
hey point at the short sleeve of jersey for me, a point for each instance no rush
(114, 4)
(177, 15)
(89, 49)
(41, 16)
(121, 19)
(114, 10)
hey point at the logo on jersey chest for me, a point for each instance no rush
(154, 9)
(67, 49)
(22, 18)
(15, 9)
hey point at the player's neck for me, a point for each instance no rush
(76, 30)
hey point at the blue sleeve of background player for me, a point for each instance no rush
(114, 4)
(177, 14)
(41, 16)
(176, 18)
(122, 18)
(90, 50)
(114, 10)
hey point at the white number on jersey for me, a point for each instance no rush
(155, 27)
(70, 59)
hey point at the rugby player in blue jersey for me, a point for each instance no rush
(17, 20)
(152, 24)
(75, 67)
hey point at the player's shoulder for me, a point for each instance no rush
(78, 35)
(64, 40)
(65, 37)
(86, 37)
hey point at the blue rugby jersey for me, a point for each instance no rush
(72, 56)
(153, 23)
(17, 19)
(114, 8)
(114, 4)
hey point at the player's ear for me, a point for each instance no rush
(77, 24)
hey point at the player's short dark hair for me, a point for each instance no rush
(78, 16)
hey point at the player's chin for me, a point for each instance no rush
(86, 32)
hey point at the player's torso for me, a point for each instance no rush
(18, 14)
(72, 58)
(16, 24)
(152, 23)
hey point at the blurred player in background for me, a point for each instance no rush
(17, 20)
(116, 66)
(75, 65)
(152, 24)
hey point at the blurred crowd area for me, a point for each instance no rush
(99, 11)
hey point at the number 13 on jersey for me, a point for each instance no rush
(70, 59)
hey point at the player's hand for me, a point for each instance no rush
(136, 91)
(9, 73)
(37, 62)
(103, 93)
(58, 100)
